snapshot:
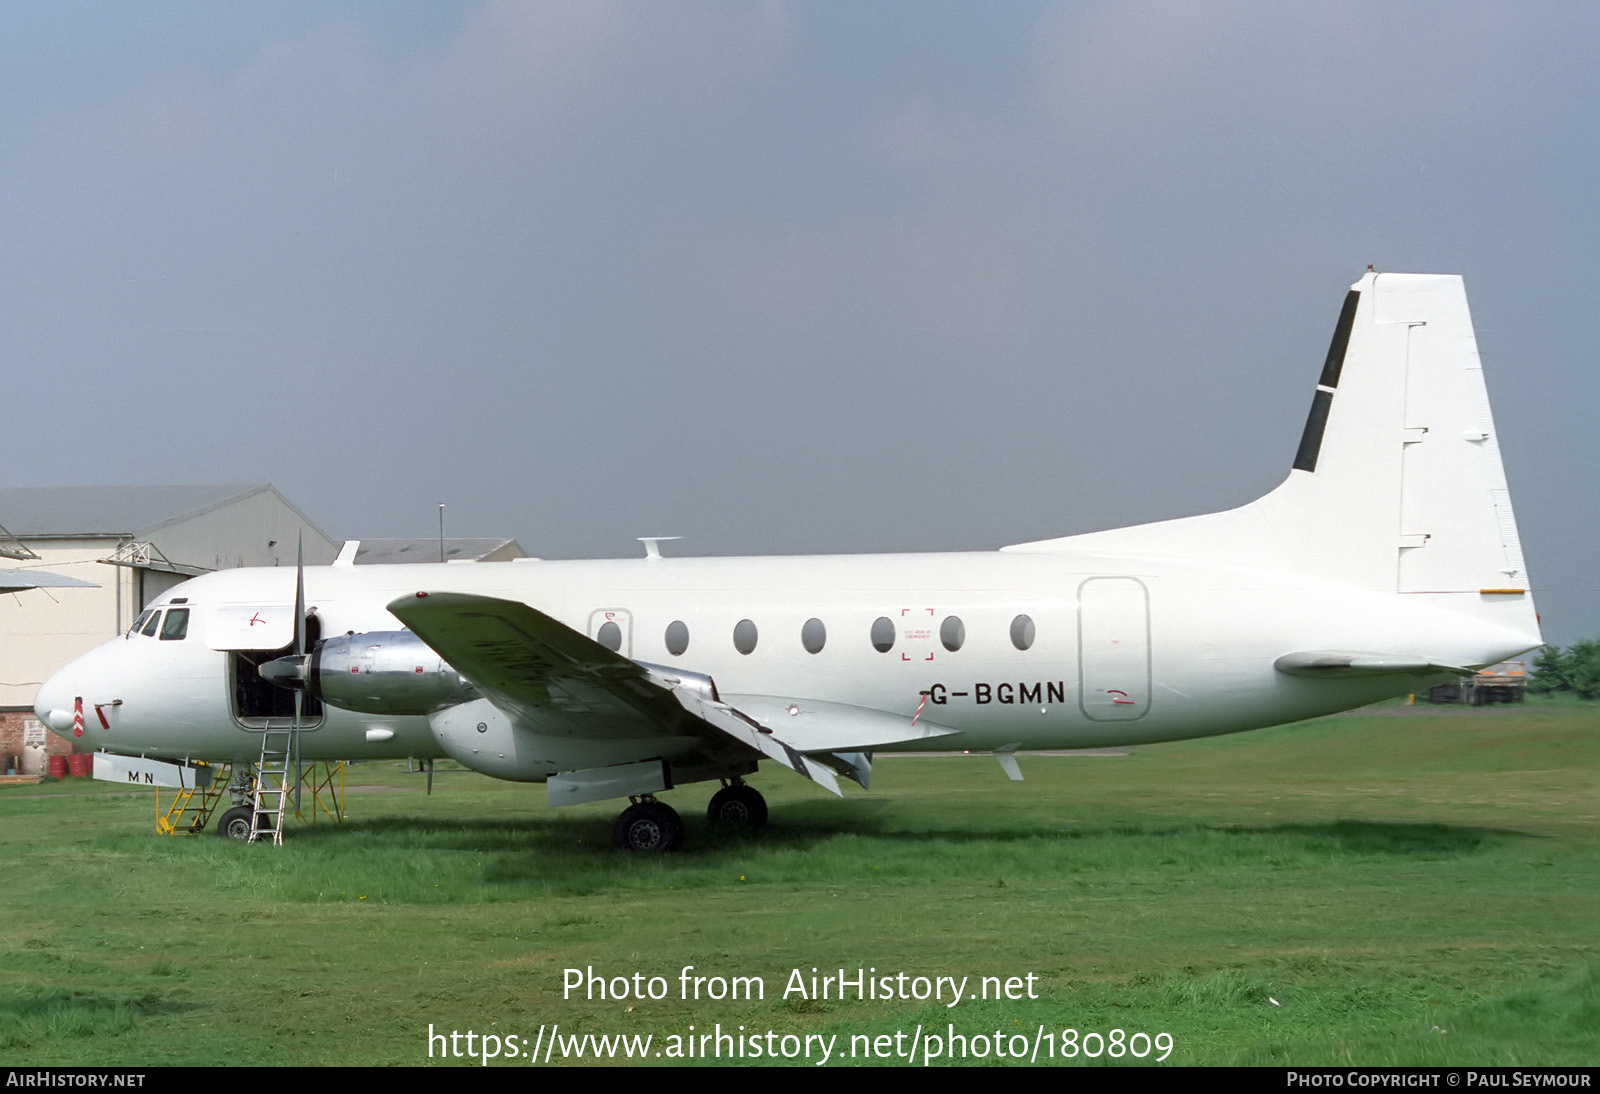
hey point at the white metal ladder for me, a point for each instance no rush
(280, 748)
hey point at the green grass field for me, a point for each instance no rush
(1400, 886)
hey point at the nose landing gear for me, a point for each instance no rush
(235, 823)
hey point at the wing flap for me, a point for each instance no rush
(812, 725)
(750, 733)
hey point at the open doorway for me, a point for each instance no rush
(255, 701)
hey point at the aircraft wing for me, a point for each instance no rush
(548, 676)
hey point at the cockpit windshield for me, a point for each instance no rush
(144, 617)
(176, 626)
(149, 629)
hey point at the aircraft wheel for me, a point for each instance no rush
(235, 823)
(737, 806)
(649, 826)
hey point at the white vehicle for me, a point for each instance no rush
(1388, 559)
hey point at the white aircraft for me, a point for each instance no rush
(1388, 556)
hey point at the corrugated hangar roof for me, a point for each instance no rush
(110, 510)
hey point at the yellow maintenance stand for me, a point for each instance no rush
(186, 811)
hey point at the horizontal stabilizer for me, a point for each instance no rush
(1330, 663)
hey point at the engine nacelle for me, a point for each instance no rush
(384, 672)
(397, 673)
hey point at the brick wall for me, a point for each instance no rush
(13, 730)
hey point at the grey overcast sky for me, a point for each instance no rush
(783, 277)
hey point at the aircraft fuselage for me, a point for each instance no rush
(1387, 559)
(1118, 651)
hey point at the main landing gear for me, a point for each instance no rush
(650, 825)
(737, 806)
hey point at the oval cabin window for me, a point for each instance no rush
(953, 633)
(1022, 632)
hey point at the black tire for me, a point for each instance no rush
(648, 826)
(235, 823)
(737, 806)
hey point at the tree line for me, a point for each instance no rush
(1575, 669)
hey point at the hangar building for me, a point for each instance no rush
(133, 543)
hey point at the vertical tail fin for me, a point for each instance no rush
(1397, 484)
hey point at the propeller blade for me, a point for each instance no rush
(299, 650)
(300, 597)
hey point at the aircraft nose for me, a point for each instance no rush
(54, 703)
